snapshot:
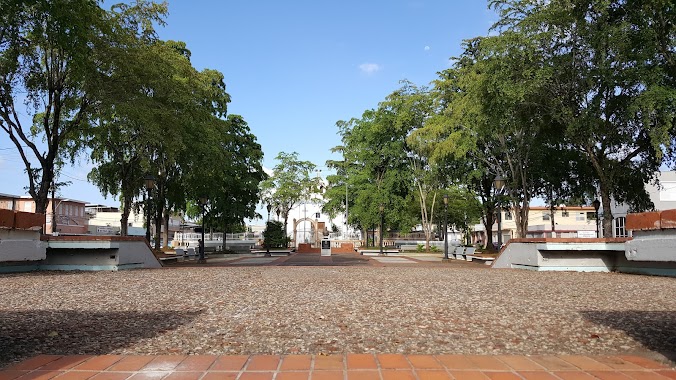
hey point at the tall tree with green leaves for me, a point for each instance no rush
(411, 107)
(141, 123)
(230, 175)
(378, 170)
(54, 55)
(612, 89)
(290, 183)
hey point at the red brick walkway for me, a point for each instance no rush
(343, 367)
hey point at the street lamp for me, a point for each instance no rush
(150, 183)
(203, 202)
(267, 229)
(445, 226)
(499, 184)
(597, 205)
(382, 222)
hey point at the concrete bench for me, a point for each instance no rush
(458, 253)
(409, 247)
(488, 260)
(376, 252)
(285, 252)
(468, 255)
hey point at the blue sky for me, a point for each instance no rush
(294, 68)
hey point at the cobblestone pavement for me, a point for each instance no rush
(385, 309)
(339, 367)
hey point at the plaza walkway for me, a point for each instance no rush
(336, 259)
(348, 318)
(338, 367)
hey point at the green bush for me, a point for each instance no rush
(434, 248)
(274, 235)
(421, 248)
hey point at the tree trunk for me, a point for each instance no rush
(124, 217)
(286, 221)
(41, 199)
(552, 209)
(521, 216)
(488, 221)
(53, 210)
(166, 228)
(158, 230)
(607, 212)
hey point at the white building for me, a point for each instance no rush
(663, 197)
(106, 220)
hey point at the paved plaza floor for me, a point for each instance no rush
(314, 317)
(339, 259)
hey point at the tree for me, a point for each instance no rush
(231, 174)
(53, 56)
(412, 107)
(275, 235)
(377, 172)
(137, 125)
(612, 90)
(290, 183)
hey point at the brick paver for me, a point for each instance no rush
(339, 367)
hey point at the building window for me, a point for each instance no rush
(580, 217)
(564, 214)
(620, 230)
(591, 215)
(508, 215)
(545, 216)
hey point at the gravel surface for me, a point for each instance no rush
(291, 310)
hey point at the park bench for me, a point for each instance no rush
(180, 252)
(488, 260)
(409, 248)
(469, 253)
(458, 253)
(285, 252)
(376, 252)
(191, 254)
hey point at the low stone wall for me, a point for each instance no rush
(21, 246)
(89, 253)
(20, 237)
(20, 220)
(307, 248)
(561, 254)
(579, 255)
(654, 236)
(344, 248)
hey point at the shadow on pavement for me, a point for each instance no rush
(656, 330)
(69, 332)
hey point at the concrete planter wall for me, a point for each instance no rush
(654, 236)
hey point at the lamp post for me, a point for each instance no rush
(445, 226)
(382, 222)
(499, 184)
(267, 230)
(203, 202)
(597, 205)
(150, 183)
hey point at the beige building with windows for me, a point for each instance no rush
(568, 222)
(580, 221)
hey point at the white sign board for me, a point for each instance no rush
(586, 234)
(105, 230)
